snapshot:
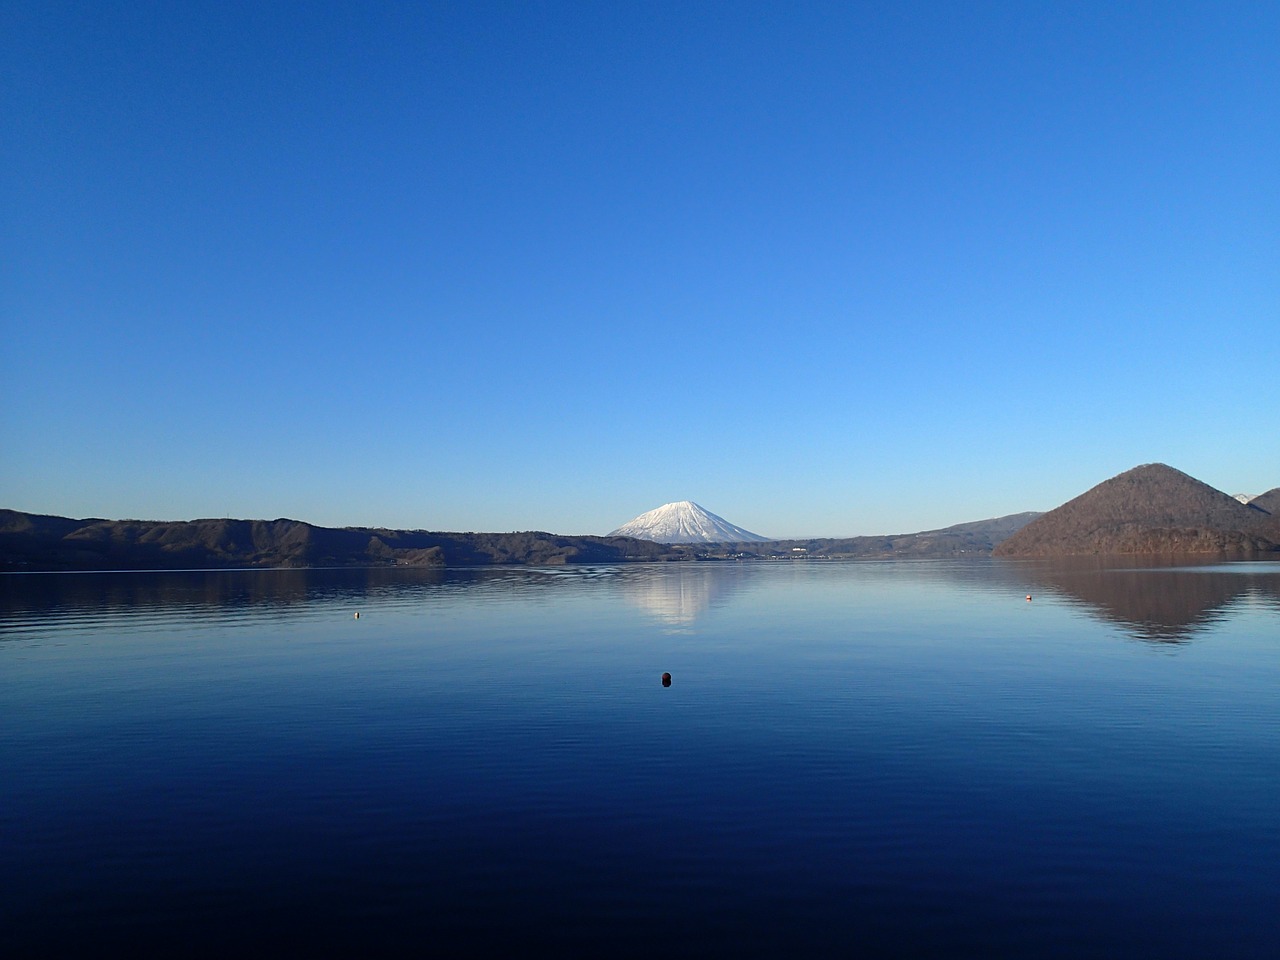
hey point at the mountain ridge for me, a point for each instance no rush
(41, 542)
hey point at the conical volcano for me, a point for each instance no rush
(684, 522)
(1150, 509)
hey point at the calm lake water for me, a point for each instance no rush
(854, 759)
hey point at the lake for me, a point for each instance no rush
(852, 758)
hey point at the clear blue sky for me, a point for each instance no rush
(825, 268)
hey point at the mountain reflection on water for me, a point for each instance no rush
(1163, 600)
(203, 589)
(1167, 600)
(679, 594)
(1168, 603)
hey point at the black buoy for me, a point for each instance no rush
(666, 679)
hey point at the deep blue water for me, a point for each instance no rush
(854, 759)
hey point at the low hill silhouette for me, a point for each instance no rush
(1151, 509)
(975, 538)
(1269, 501)
(36, 542)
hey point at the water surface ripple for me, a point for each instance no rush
(872, 759)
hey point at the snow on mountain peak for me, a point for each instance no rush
(684, 522)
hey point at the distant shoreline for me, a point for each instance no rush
(31, 543)
(1152, 510)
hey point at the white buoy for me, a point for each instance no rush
(358, 612)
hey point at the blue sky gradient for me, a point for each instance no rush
(827, 269)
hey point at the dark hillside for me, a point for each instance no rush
(33, 542)
(33, 533)
(1151, 509)
(1269, 501)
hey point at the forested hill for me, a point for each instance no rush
(1269, 501)
(1151, 509)
(35, 542)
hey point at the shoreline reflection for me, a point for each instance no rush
(1170, 603)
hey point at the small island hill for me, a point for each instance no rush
(1152, 509)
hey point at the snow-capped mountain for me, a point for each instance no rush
(684, 522)
(1244, 497)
